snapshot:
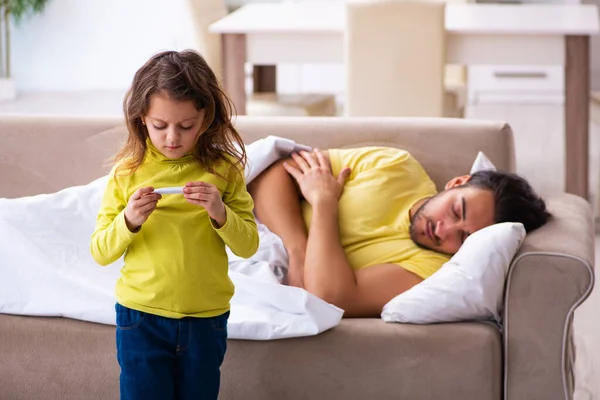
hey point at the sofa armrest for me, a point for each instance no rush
(549, 278)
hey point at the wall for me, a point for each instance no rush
(594, 53)
(80, 45)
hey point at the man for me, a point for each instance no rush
(363, 225)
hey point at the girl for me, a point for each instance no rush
(173, 292)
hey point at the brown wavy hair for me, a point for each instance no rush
(182, 76)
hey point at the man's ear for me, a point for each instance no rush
(458, 181)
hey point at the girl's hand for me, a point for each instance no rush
(208, 196)
(140, 206)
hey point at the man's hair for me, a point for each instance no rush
(514, 198)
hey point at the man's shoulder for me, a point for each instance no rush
(372, 150)
(372, 156)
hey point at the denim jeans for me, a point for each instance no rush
(164, 358)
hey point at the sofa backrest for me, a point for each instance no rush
(46, 154)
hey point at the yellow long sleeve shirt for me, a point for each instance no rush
(175, 265)
(374, 209)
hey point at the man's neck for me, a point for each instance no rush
(416, 206)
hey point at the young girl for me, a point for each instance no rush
(173, 292)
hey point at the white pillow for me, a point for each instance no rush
(482, 163)
(468, 287)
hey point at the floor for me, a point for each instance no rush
(540, 158)
(586, 332)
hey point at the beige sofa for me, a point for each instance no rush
(532, 358)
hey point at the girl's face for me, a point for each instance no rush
(173, 125)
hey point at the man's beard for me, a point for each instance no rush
(419, 215)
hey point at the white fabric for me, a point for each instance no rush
(468, 287)
(264, 152)
(47, 269)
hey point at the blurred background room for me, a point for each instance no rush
(534, 64)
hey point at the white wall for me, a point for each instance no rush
(594, 53)
(80, 45)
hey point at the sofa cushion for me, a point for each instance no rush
(359, 359)
(369, 359)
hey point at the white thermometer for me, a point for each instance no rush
(169, 190)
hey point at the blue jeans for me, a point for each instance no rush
(164, 358)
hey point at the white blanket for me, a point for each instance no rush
(46, 268)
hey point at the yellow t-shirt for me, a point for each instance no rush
(374, 209)
(175, 265)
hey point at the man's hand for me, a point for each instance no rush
(208, 196)
(315, 179)
(139, 207)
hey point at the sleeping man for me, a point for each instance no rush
(363, 225)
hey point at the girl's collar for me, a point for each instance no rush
(155, 155)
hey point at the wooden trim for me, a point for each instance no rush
(577, 115)
(234, 76)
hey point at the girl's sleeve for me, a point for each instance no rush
(111, 236)
(240, 232)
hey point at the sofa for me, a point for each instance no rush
(529, 357)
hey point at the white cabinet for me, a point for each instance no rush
(515, 85)
(539, 144)
(531, 100)
(539, 140)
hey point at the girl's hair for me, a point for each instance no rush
(182, 76)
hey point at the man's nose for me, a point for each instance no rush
(444, 229)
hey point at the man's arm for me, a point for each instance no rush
(328, 275)
(277, 204)
(327, 272)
